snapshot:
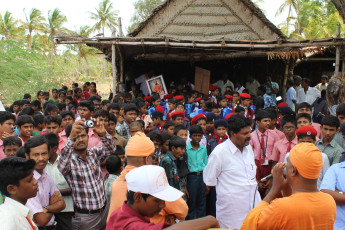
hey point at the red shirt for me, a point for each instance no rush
(127, 218)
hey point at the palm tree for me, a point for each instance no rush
(104, 16)
(292, 5)
(54, 26)
(33, 21)
(8, 26)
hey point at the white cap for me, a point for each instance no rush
(151, 179)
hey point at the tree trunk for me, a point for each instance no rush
(78, 70)
(29, 40)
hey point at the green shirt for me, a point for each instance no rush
(168, 162)
(332, 150)
(1, 199)
(197, 159)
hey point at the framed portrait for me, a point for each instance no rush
(156, 85)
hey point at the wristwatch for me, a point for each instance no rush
(47, 207)
(341, 192)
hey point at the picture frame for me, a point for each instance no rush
(156, 85)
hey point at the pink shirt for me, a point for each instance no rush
(2, 154)
(279, 133)
(62, 144)
(317, 127)
(63, 136)
(280, 149)
(46, 189)
(95, 141)
(255, 143)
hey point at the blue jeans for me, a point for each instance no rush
(197, 197)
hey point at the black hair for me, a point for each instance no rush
(172, 100)
(112, 118)
(113, 164)
(95, 98)
(34, 142)
(155, 97)
(104, 102)
(38, 119)
(176, 142)
(21, 120)
(62, 92)
(178, 128)
(52, 140)
(75, 84)
(93, 83)
(239, 109)
(127, 95)
(307, 80)
(262, 114)
(63, 114)
(36, 103)
(70, 98)
(290, 82)
(61, 106)
(26, 96)
(195, 129)
(303, 105)
(155, 136)
(49, 108)
(55, 90)
(208, 105)
(340, 109)
(130, 107)
(139, 103)
(65, 88)
(117, 98)
(88, 104)
(21, 152)
(119, 150)
(130, 197)
(4, 116)
(12, 170)
(237, 122)
(168, 124)
(24, 102)
(53, 119)
(12, 140)
(17, 102)
(27, 111)
(289, 119)
(166, 137)
(113, 106)
(39, 92)
(304, 115)
(46, 93)
(272, 112)
(101, 113)
(330, 120)
(262, 89)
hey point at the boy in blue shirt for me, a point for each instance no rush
(197, 161)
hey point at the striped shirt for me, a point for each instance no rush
(85, 176)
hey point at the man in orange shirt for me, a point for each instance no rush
(307, 207)
(139, 152)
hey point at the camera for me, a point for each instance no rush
(89, 124)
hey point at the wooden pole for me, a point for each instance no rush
(120, 27)
(113, 62)
(286, 74)
(337, 54)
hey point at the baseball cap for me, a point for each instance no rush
(151, 179)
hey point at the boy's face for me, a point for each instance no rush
(306, 140)
(67, 120)
(223, 103)
(264, 123)
(115, 112)
(170, 130)
(273, 123)
(289, 129)
(304, 110)
(196, 138)
(133, 130)
(122, 158)
(156, 102)
(26, 129)
(303, 122)
(40, 155)
(62, 97)
(182, 133)
(130, 116)
(190, 100)
(28, 188)
(202, 124)
(143, 109)
(210, 126)
(84, 113)
(221, 130)
(178, 152)
(245, 102)
(178, 120)
(53, 128)
(156, 121)
(158, 145)
(180, 108)
(216, 111)
(55, 94)
(16, 108)
(341, 118)
(111, 127)
(328, 132)
(10, 150)
(165, 147)
(97, 104)
(171, 106)
(7, 126)
(235, 98)
(105, 120)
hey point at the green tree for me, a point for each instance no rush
(33, 22)
(104, 16)
(8, 26)
(291, 5)
(143, 9)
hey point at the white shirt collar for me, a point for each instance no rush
(21, 209)
(233, 148)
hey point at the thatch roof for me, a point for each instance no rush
(208, 20)
(340, 5)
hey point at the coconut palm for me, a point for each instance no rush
(291, 5)
(8, 26)
(33, 21)
(104, 16)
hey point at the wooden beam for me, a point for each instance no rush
(337, 54)
(113, 62)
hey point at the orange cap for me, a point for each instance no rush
(307, 159)
(139, 146)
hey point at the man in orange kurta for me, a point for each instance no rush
(306, 208)
(139, 151)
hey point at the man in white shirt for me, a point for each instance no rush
(306, 93)
(290, 95)
(323, 85)
(239, 87)
(252, 85)
(18, 185)
(231, 168)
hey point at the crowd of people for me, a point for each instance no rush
(238, 158)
